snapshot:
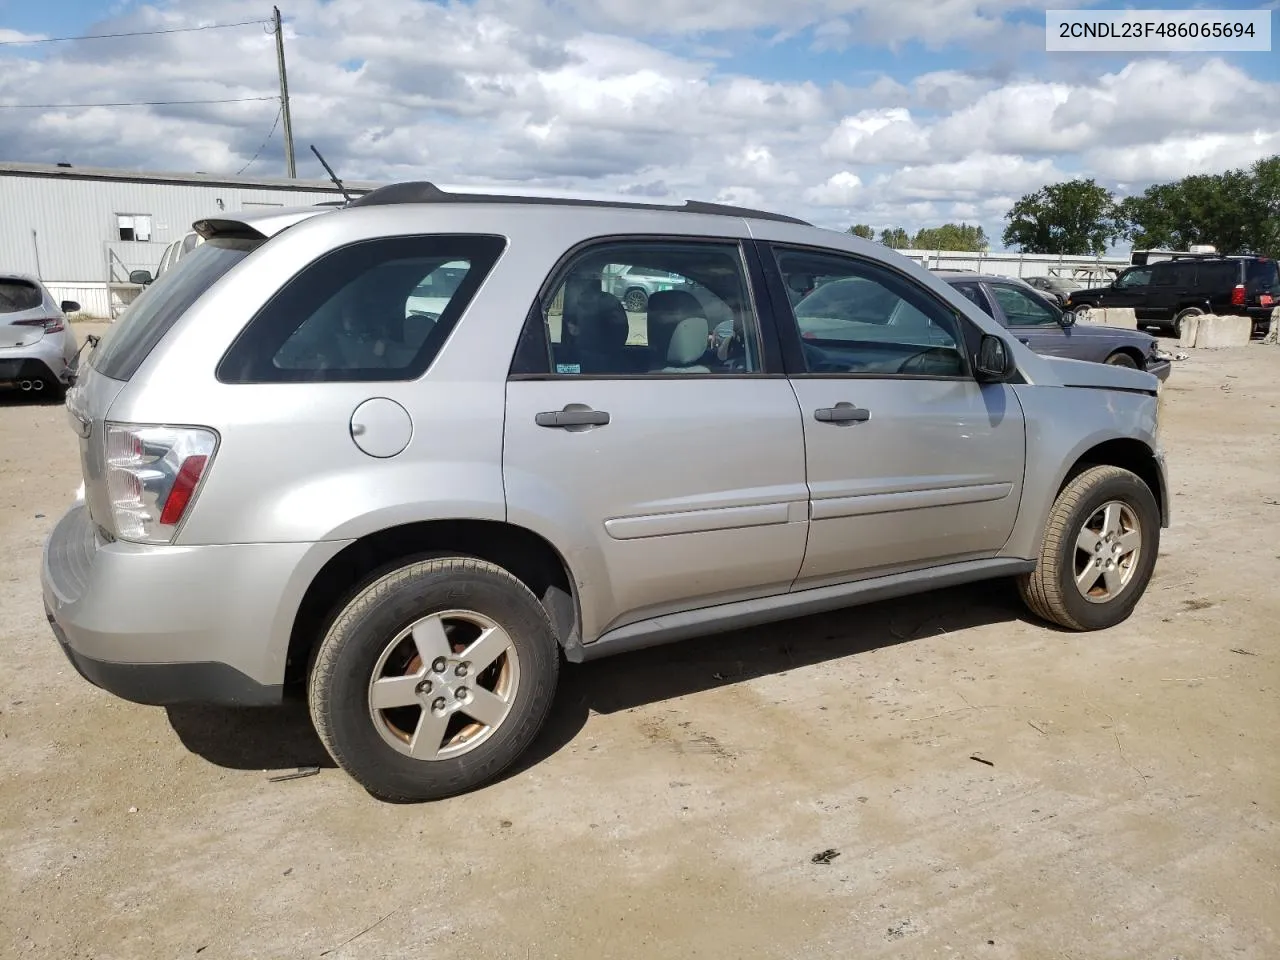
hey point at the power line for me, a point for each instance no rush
(136, 33)
(264, 142)
(128, 103)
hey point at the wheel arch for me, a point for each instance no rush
(530, 558)
(1129, 454)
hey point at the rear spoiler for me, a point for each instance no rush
(255, 226)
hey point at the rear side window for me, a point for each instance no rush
(134, 335)
(18, 295)
(374, 310)
(1218, 276)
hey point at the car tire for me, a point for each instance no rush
(635, 300)
(1081, 310)
(434, 736)
(1122, 359)
(1106, 524)
(1180, 315)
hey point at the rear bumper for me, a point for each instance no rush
(14, 370)
(170, 624)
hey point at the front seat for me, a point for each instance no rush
(669, 314)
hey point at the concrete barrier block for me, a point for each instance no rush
(1273, 329)
(1119, 317)
(1190, 327)
(1217, 332)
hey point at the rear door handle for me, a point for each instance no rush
(569, 417)
(842, 412)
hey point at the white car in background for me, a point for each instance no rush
(37, 345)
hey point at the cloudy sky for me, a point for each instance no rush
(889, 112)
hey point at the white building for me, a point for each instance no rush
(83, 229)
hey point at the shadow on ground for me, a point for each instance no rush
(282, 737)
(257, 738)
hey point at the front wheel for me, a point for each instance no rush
(1099, 551)
(434, 679)
(1122, 359)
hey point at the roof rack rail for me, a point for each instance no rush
(422, 191)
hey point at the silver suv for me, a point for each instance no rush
(294, 481)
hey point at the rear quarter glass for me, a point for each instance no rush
(143, 325)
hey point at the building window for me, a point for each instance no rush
(134, 226)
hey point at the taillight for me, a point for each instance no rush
(50, 324)
(153, 474)
(1237, 295)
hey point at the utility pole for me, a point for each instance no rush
(291, 169)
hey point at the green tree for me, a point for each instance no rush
(1076, 217)
(952, 236)
(896, 237)
(863, 230)
(1237, 211)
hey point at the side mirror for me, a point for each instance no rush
(142, 277)
(1068, 318)
(994, 362)
(70, 306)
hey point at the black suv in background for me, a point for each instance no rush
(1164, 292)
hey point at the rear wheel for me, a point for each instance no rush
(1122, 359)
(1182, 315)
(434, 679)
(1099, 550)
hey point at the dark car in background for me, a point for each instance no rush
(1166, 292)
(1050, 330)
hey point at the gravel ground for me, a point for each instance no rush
(1128, 807)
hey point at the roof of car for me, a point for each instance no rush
(426, 192)
(969, 275)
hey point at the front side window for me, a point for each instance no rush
(359, 313)
(1021, 309)
(645, 307)
(1134, 279)
(860, 317)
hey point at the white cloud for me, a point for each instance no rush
(841, 189)
(597, 96)
(878, 136)
(1182, 156)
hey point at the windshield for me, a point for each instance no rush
(149, 317)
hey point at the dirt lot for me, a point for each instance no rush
(1130, 808)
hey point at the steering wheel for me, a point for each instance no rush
(934, 360)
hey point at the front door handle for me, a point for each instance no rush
(842, 412)
(570, 417)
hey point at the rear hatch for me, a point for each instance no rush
(1262, 283)
(107, 370)
(22, 313)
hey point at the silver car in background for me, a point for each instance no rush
(37, 344)
(295, 480)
